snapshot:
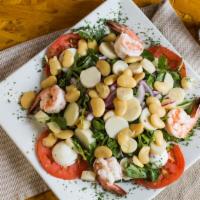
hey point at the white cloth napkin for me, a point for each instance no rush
(18, 179)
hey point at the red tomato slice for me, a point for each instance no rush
(174, 60)
(45, 157)
(170, 172)
(62, 43)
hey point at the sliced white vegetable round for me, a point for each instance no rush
(85, 136)
(124, 94)
(90, 77)
(119, 67)
(158, 161)
(144, 119)
(115, 124)
(122, 164)
(108, 115)
(177, 95)
(169, 80)
(72, 50)
(136, 68)
(88, 176)
(133, 109)
(63, 154)
(148, 66)
(107, 50)
(71, 114)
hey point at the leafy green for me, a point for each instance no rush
(177, 78)
(162, 63)
(150, 80)
(135, 172)
(145, 138)
(114, 146)
(186, 104)
(91, 32)
(98, 124)
(89, 153)
(58, 119)
(146, 172)
(160, 76)
(78, 148)
(148, 55)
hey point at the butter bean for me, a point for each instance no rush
(102, 152)
(110, 79)
(104, 67)
(127, 72)
(154, 100)
(155, 109)
(68, 59)
(54, 65)
(82, 47)
(111, 37)
(120, 107)
(161, 87)
(103, 90)
(27, 99)
(64, 134)
(156, 121)
(137, 162)
(72, 94)
(93, 93)
(98, 106)
(92, 44)
(48, 82)
(137, 129)
(49, 141)
(143, 155)
(126, 81)
(159, 139)
(139, 77)
(133, 59)
(123, 136)
(130, 146)
(186, 83)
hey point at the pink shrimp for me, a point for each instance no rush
(52, 100)
(108, 171)
(128, 43)
(179, 123)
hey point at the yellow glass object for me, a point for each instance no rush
(188, 10)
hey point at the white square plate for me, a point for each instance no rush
(23, 131)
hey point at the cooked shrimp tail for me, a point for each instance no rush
(112, 187)
(35, 104)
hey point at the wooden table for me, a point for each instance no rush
(17, 24)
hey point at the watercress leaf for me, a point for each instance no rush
(148, 55)
(59, 120)
(78, 148)
(162, 63)
(98, 124)
(160, 76)
(150, 80)
(135, 172)
(114, 146)
(177, 78)
(153, 174)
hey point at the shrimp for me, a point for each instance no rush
(52, 100)
(128, 43)
(108, 171)
(179, 123)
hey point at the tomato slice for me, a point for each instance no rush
(63, 42)
(44, 155)
(170, 172)
(174, 60)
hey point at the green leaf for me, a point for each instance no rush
(98, 124)
(135, 172)
(160, 76)
(78, 148)
(114, 146)
(177, 78)
(59, 120)
(162, 63)
(148, 55)
(150, 80)
(153, 174)
(145, 138)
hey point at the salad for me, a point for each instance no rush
(113, 110)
